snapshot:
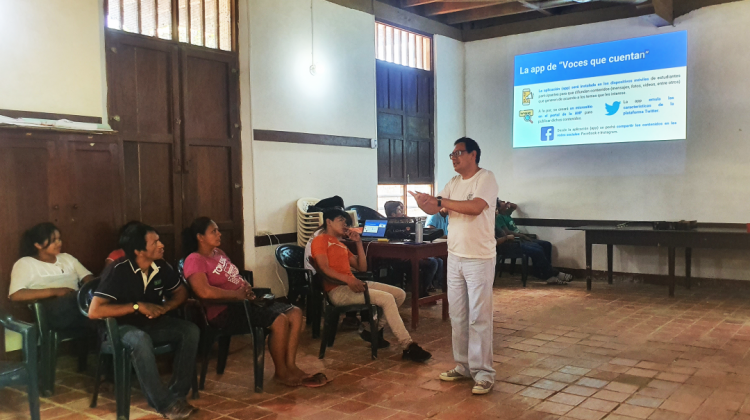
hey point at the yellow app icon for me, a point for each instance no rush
(526, 97)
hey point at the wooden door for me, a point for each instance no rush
(92, 211)
(210, 108)
(143, 90)
(405, 124)
(31, 192)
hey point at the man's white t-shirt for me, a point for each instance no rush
(308, 252)
(473, 236)
(30, 273)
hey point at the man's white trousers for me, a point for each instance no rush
(470, 301)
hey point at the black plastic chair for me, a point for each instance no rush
(332, 313)
(513, 252)
(22, 373)
(365, 213)
(292, 259)
(209, 335)
(113, 352)
(49, 342)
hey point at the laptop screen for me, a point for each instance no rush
(374, 229)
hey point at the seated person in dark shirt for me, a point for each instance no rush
(430, 269)
(139, 290)
(539, 251)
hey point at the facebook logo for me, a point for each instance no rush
(548, 133)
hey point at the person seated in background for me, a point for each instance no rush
(139, 290)
(212, 276)
(118, 253)
(539, 251)
(350, 321)
(43, 272)
(438, 220)
(430, 269)
(507, 209)
(336, 261)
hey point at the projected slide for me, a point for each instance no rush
(614, 92)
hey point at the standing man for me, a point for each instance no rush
(470, 198)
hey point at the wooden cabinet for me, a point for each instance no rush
(72, 180)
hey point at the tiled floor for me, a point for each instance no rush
(619, 352)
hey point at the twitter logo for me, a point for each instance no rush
(612, 109)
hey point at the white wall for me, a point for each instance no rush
(338, 100)
(705, 177)
(450, 111)
(52, 56)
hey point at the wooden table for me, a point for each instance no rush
(645, 235)
(413, 253)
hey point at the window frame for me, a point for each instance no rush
(429, 36)
(233, 26)
(404, 197)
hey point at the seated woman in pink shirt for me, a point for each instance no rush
(213, 276)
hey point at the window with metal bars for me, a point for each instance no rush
(398, 46)
(206, 23)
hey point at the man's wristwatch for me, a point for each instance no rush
(440, 201)
(135, 307)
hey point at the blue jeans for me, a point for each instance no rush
(541, 266)
(165, 329)
(430, 274)
(547, 247)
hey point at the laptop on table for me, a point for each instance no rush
(374, 230)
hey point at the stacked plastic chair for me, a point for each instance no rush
(309, 222)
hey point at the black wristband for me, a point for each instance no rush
(440, 201)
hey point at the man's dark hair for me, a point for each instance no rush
(390, 207)
(333, 213)
(471, 146)
(134, 239)
(40, 234)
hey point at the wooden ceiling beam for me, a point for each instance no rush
(557, 21)
(486, 13)
(663, 13)
(500, 10)
(533, 6)
(453, 7)
(415, 3)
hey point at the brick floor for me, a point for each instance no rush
(622, 351)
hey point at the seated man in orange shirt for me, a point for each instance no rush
(335, 261)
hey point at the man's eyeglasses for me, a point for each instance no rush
(457, 153)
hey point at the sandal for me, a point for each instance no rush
(315, 381)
